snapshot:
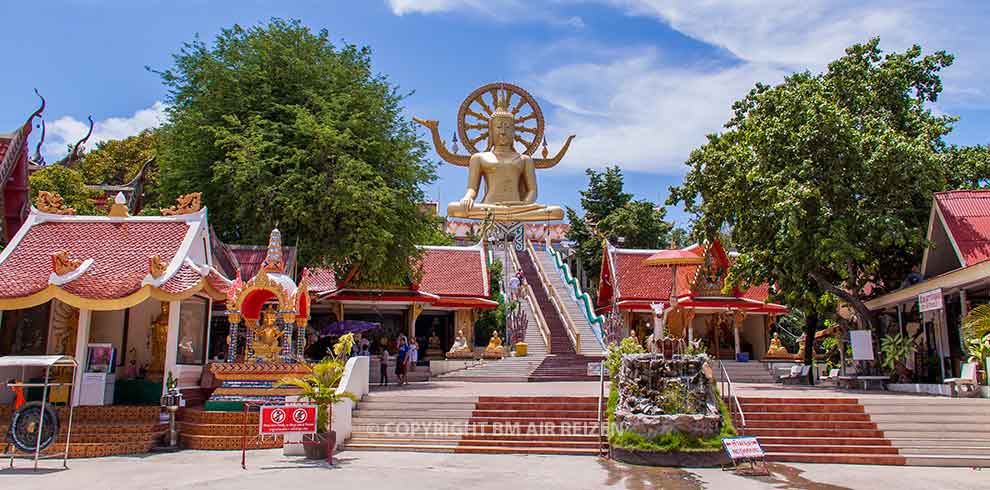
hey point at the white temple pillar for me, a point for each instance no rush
(735, 334)
(690, 329)
(171, 343)
(82, 340)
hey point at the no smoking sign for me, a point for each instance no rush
(287, 419)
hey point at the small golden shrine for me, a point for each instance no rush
(274, 309)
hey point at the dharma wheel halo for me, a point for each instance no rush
(478, 107)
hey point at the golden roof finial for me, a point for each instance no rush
(119, 207)
(62, 264)
(274, 262)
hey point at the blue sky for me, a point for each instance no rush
(639, 81)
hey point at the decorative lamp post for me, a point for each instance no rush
(171, 401)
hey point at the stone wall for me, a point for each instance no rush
(659, 396)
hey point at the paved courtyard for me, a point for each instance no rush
(268, 469)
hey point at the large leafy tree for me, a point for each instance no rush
(613, 214)
(826, 180)
(277, 126)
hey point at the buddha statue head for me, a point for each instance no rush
(502, 124)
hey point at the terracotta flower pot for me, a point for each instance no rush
(321, 445)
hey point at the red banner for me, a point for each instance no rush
(287, 419)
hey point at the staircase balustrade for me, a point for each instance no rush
(555, 300)
(596, 321)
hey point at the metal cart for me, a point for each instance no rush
(47, 362)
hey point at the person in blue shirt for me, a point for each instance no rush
(402, 360)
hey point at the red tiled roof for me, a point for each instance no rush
(637, 281)
(115, 259)
(322, 280)
(758, 293)
(967, 219)
(454, 271)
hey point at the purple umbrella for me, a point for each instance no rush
(348, 326)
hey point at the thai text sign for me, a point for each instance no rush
(287, 419)
(930, 300)
(742, 448)
(594, 369)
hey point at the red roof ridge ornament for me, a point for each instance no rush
(184, 204)
(51, 203)
(274, 262)
(119, 207)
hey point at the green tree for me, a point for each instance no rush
(826, 180)
(612, 214)
(68, 183)
(118, 162)
(278, 126)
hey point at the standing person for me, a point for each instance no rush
(514, 286)
(413, 354)
(402, 360)
(383, 361)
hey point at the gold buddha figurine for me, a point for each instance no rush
(433, 348)
(776, 349)
(494, 349)
(265, 343)
(509, 176)
(158, 333)
(461, 349)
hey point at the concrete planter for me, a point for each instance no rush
(681, 459)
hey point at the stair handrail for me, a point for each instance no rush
(596, 321)
(725, 387)
(558, 305)
(527, 293)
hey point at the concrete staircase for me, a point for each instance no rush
(563, 363)
(508, 369)
(934, 431)
(467, 424)
(746, 372)
(590, 344)
(817, 430)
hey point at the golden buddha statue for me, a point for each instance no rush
(433, 349)
(509, 176)
(265, 343)
(461, 349)
(776, 349)
(494, 349)
(158, 334)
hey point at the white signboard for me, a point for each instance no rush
(594, 369)
(930, 300)
(862, 344)
(742, 448)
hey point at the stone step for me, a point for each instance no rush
(872, 459)
(802, 408)
(894, 427)
(811, 433)
(948, 460)
(803, 447)
(227, 443)
(811, 417)
(825, 441)
(471, 449)
(944, 451)
(974, 421)
(522, 443)
(798, 401)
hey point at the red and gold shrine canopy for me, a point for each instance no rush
(450, 277)
(271, 284)
(691, 277)
(108, 263)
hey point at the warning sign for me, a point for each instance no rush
(741, 448)
(287, 419)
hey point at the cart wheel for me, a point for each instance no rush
(24, 424)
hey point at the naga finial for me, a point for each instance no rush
(77, 149)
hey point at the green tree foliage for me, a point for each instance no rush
(278, 126)
(119, 161)
(826, 180)
(68, 183)
(611, 213)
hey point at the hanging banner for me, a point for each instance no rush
(287, 419)
(930, 300)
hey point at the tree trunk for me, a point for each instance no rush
(865, 317)
(810, 327)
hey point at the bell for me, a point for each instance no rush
(546, 151)
(454, 143)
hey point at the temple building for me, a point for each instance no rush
(14, 163)
(453, 288)
(681, 293)
(952, 279)
(128, 296)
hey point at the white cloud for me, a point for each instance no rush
(67, 130)
(637, 111)
(403, 7)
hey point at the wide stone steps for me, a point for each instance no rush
(931, 431)
(518, 424)
(746, 372)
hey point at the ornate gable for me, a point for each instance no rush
(709, 280)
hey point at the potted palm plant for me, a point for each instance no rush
(896, 349)
(976, 336)
(320, 388)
